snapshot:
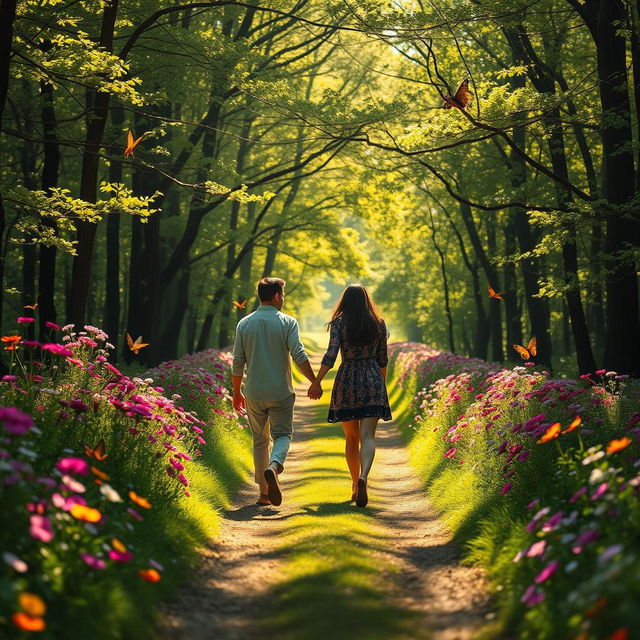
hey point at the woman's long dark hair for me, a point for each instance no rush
(360, 314)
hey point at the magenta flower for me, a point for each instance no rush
(40, 528)
(9, 378)
(26, 320)
(506, 488)
(93, 561)
(15, 422)
(183, 479)
(579, 493)
(52, 325)
(57, 349)
(73, 465)
(120, 556)
(450, 453)
(30, 344)
(547, 572)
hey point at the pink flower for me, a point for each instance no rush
(579, 493)
(52, 325)
(450, 453)
(93, 561)
(57, 349)
(600, 491)
(547, 572)
(183, 479)
(40, 528)
(73, 465)
(506, 488)
(537, 549)
(26, 320)
(31, 344)
(15, 422)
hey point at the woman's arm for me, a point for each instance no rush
(329, 359)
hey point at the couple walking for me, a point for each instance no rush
(265, 343)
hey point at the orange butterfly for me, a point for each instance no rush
(462, 98)
(131, 144)
(530, 351)
(137, 345)
(96, 452)
(493, 294)
(240, 305)
(33, 306)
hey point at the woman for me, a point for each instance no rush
(359, 397)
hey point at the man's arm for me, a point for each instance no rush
(298, 354)
(237, 370)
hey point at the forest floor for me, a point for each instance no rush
(318, 567)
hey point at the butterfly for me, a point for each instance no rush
(493, 294)
(137, 345)
(462, 98)
(33, 306)
(131, 144)
(96, 452)
(240, 305)
(530, 351)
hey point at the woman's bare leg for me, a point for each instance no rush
(352, 450)
(367, 445)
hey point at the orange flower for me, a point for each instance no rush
(139, 500)
(28, 623)
(11, 339)
(575, 423)
(552, 432)
(84, 513)
(596, 608)
(11, 347)
(618, 445)
(32, 604)
(619, 634)
(150, 575)
(118, 546)
(101, 474)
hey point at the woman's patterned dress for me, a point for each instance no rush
(359, 390)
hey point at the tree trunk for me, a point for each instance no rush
(112, 268)
(50, 167)
(96, 122)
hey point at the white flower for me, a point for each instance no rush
(110, 493)
(597, 475)
(15, 563)
(593, 457)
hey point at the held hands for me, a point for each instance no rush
(239, 403)
(315, 391)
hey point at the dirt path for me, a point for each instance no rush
(285, 570)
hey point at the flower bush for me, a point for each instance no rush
(95, 470)
(541, 478)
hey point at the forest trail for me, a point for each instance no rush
(318, 567)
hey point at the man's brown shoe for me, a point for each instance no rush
(274, 493)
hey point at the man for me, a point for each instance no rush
(265, 340)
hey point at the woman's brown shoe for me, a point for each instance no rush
(361, 494)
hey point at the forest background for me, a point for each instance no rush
(308, 140)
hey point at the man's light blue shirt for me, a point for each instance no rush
(264, 341)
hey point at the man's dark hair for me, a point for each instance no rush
(268, 287)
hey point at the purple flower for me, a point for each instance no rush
(580, 492)
(531, 597)
(73, 465)
(15, 421)
(585, 538)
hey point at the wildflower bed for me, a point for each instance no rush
(539, 477)
(108, 483)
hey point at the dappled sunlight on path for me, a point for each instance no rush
(319, 567)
